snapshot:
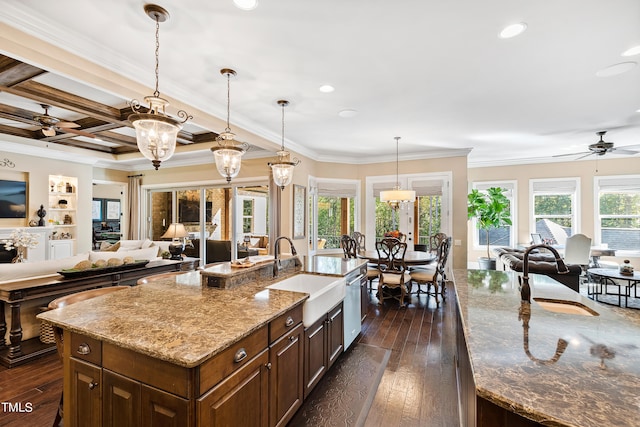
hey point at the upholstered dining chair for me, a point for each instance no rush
(57, 332)
(394, 277)
(360, 240)
(434, 241)
(434, 276)
(350, 248)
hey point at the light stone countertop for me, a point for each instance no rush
(572, 391)
(176, 319)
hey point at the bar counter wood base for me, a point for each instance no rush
(15, 293)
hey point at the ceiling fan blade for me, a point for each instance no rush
(633, 146)
(629, 152)
(67, 125)
(586, 155)
(78, 132)
(573, 154)
(48, 131)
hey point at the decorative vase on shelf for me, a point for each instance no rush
(626, 268)
(19, 256)
(41, 213)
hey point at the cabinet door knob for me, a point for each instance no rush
(240, 355)
(292, 338)
(92, 385)
(84, 349)
(268, 365)
(289, 321)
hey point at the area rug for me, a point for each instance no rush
(344, 396)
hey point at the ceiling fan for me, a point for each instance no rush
(49, 124)
(603, 147)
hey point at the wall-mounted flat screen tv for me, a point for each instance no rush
(13, 199)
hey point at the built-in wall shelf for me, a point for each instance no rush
(61, 214)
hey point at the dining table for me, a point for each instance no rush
(410, 257)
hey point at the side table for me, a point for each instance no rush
(600, 279)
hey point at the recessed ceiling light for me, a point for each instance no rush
(632, 51)
(326, 88)
(348, 113)
(246, 4)
(615, 69)
(513, 30)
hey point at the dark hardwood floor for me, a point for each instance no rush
(37, 384)
(417, 389)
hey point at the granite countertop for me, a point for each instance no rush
(176, 320)
(594, 382)
(331, 265)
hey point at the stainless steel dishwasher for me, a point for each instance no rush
(352, 308)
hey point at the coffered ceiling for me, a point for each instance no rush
(434, 73)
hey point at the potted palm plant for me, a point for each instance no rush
(491, 210)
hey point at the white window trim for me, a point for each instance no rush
(513, 184)
(575, 202)
(597, 221)
(313, 216)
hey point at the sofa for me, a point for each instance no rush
(540, 263)
(217, 250)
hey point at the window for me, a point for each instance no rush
(429, 206)
(554, 213)
(247, 216)
(503, 236)
(618, 211)
(335, 210)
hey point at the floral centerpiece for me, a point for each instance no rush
(20, 239)
(393, 233)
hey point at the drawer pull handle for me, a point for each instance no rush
(240, 355)
(289, 321)
(84, 349)
(92, 385)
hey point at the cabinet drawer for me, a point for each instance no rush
(86, 348)
(284, 323)
(234, 357)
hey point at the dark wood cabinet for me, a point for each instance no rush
(286, 357)
(323, 343)
(121, 400)
(335, 334)
(86, 395)
(240, 399)
(159, 408)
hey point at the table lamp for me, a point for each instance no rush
(177, 233)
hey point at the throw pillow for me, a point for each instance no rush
(109, 247)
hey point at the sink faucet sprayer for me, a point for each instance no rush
(525, 290)
(277, 265)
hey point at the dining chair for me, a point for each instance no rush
(435, 276)
(57, 332)
(360, 240)
(394, 279)
(434, 241)
(350, 248)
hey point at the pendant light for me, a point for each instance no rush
(155, 131)
(228, 153)
(283, 168)
(396, 197)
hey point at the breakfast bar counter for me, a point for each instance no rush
(531, 365)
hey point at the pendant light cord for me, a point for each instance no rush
(282, 148)
(228, 129)
(397, 138)
(156, 93)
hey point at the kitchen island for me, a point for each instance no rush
(178, 352)
(522, 365)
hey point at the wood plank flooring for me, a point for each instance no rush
(417, 389)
